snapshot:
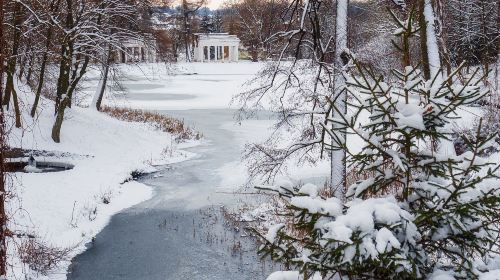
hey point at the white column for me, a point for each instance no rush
(237, 53)
(201, 52)
(223, 58)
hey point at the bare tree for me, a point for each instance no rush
(188, 10)
(87, 34)
(299, 91)
(257, 21)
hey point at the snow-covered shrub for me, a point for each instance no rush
(421, 207)
(367, 237)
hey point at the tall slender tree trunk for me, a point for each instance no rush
(446, 59)
(431, 42)
(10, 91)
(104, 80)
(186, 36)
(64, 73)
(3, 214)
(41, 78)
(29, 72)
(338, 157)
(423, 40)
(11, 67)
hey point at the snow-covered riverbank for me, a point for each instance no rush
(67, 209)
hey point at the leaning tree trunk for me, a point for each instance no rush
(104, 79)
(338, 157)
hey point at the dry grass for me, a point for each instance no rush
(158, 121)
(40, 256)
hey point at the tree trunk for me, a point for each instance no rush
(430, 41)
(104, 79)
(11, 67)
(12, 91)
(41, 78)
(338, 157)
(30, 70)
(423, 40)
(431, 45)
(67, 49)
(65, 101)
(56, 129)
(64, 73)
(186, 36)
(77, 79)
(3, 216)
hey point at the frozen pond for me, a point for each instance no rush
(157, 96)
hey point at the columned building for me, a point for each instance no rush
(220, 47)
(136, 51)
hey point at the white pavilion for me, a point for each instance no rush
(136, 51)
(219, 47)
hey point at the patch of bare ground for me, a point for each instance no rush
(158, 121)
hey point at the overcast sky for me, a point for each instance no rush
(214, 4)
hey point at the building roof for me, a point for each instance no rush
(217, 36)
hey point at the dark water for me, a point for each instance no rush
(180, 232)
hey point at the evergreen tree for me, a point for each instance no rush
(206, 25)
(417, 212)
(217, 22)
